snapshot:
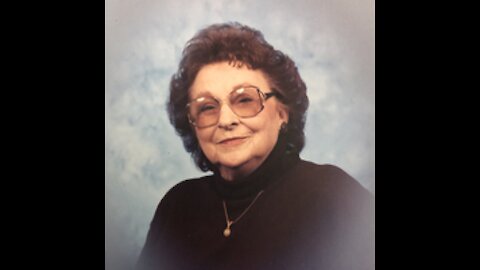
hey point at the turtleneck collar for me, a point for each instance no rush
(277, 162)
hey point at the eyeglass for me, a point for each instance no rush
(245, 102)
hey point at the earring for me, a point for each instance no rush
(283, 128)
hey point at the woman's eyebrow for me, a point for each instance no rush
(205, 93)
(244, 84)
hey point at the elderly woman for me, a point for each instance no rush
(239, 106)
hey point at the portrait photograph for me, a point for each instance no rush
(239, 134)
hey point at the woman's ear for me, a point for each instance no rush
(283, 113)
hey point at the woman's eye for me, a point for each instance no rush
(207, 107)
(244, 100)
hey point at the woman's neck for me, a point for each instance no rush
(245, 169)
(250, 178)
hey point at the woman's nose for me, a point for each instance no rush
(227, 118)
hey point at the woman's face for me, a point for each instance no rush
(237, 145)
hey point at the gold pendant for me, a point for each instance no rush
(227, 230)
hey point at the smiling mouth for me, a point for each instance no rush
(233, 141)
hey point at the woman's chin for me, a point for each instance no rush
(232, 163)
(240, 165)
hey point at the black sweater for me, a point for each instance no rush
(309, 216)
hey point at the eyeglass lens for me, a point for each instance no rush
(244, 102)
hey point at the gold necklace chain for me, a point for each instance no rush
(229, 222)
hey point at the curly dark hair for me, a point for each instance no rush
(239, 45)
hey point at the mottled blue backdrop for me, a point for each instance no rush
(332, 42)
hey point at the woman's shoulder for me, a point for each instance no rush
(324, 172)
(189, 186)
(311, 167)
(182, 193)
(329, 187)
(328, 178)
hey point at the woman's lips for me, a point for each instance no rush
(233, 141)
